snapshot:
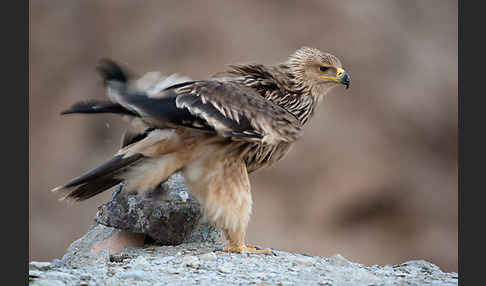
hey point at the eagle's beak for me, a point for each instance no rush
(341, 77)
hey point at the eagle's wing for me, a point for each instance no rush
(227, 108)
(230, 109)
(221, 106)
(239, 112)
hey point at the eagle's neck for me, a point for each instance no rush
(297, 103)
(296, 96)
(279, 85)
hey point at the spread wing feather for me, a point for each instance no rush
(227, 108)
(239, 112)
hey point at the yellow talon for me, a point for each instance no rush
(247, 248)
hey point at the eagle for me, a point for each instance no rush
(214, 131)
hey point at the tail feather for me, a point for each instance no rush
(98, 179)
(91, 189)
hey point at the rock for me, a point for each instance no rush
(95, 247)
(132, 274)
(339, 260)
(191, 261)
(173, 271)
(169, 215)
(49, 283)
(163, 260)
(198, 265)
(224, 268)
(210, 256)
(140, 263)
(112, 252)
(303, 260)
(79, 252)
(112, 281)
(40, 265)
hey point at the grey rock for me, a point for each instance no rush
(79, 252)
(159, 265)
(172, 217)
(339, 260)
(208, 256)
(303, 260)
(174, 270)
(191, 261)
(48, 282)
(140, 263)
(132, 274)
(169, 214)
(163, 260)
(40, 265)
(224, 268)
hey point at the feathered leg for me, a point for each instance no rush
(223, 188)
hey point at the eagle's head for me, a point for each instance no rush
(317, 71)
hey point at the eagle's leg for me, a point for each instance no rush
(223, 188)
(234, 221)
(238, 246)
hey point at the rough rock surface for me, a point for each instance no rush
(115, 252)
(168, 215)
(197, 264)
(109, 256)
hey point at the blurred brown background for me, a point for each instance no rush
(375, 176)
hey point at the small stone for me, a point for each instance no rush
(40, 265)
(183, 195)
(132, 274)
(58, 275)
(208, 256)
(163, 260)
(303, 260)
(56, 262)
(49, 282)
(339, 260)
(191, 261)
(35, 273)
(260, 275)
(285, 283)
(173, 271)
(225, 268)
(140, 263)
(112, 281)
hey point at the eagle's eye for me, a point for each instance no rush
(323, 69)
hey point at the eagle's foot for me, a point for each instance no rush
(235, 248)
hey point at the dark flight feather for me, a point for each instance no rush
(98, 106)
(132, 136)
(109, 168)
(92, 188)
(99, 179)
(111, 71)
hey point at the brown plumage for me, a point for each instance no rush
(215, 131)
